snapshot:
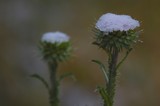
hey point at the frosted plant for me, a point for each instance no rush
(114, 33)
(55, 47)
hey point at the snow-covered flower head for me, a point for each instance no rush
(55, 37)
(112, 22)
(116, 32)
(55, 46)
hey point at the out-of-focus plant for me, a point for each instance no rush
(55, 48)
(114, 33)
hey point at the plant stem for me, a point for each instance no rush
(53, 92)
(113, 57)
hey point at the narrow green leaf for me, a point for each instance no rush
(41, 79)
(102, 68)
(104, 96)
(67, 75)
(120, 63)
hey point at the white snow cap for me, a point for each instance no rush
(55, 37)
(112, 22)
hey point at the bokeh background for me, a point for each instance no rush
(22, 23)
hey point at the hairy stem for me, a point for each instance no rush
(53, 93)
(113, 57)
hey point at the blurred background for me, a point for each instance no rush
(22, 23)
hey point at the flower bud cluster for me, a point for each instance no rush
(116, 32)
(55, 46)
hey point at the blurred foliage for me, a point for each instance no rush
(22, 22)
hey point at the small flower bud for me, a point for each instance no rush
(55, 46)
(116, 32)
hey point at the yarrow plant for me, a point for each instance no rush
(55, 48)
(114, 33)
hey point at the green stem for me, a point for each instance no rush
(53, 93)
(113, 57)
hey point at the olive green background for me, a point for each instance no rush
(22, 23)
